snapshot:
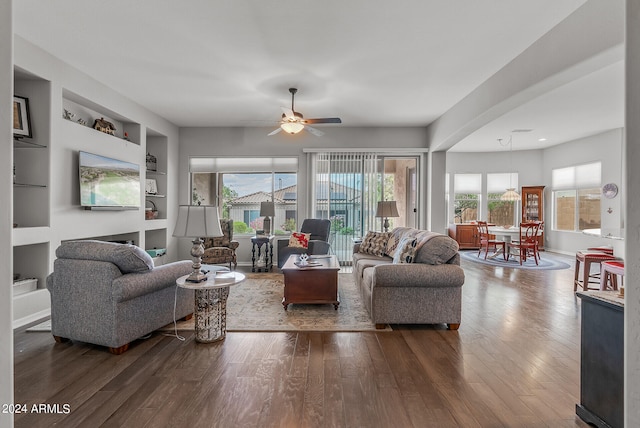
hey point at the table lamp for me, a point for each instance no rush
(387, 209)
(267, 210)
(197, 221)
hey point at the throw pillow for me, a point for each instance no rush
(406, 250)
(299, 240)
(394, 239)
(374, 243)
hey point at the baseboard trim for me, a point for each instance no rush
(38, 316)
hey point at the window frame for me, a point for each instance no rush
(218, 167)
(573, 182)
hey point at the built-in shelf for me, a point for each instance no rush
(151, 172)
(30, 235)
(84, 112)
(28, 185)
(151, 195)
(27, 144)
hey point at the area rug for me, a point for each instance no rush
(547, 261)
(256, 305)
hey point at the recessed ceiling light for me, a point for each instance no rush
(542, 139)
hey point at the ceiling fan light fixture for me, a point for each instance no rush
(291, 127)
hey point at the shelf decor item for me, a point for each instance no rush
(105, 126)
(152, 162)
(21, 118)
(151, 186)
(150, 212)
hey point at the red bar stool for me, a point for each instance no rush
(586, 258)
(609, 271)
(603, 249)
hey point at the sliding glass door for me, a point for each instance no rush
(349, 185)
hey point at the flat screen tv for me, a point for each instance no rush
(107, 183)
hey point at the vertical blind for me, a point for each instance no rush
(346, 191)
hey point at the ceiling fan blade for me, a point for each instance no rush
(324, 120)
(314, 131)
(274, 132)
(288, 113)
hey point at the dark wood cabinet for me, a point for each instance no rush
(466, 234)
(602, 359)
(533, 207)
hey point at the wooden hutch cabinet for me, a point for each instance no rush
(533, 208)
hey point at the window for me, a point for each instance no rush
(576, 197)
(466, 197)
(501, 212)
(239, 185)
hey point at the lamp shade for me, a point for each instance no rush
(267, 209)
(387, 209)
(510, 195)
(196, 221)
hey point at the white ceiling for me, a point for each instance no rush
(405, 63)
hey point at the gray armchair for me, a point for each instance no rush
(318, 241)
(111, 294)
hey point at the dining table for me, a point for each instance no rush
(506, 234)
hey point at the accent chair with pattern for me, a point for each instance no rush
(221, 249)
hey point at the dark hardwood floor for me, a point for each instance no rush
(514, 362)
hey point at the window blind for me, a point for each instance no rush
(243, 164)
(467, 183)
(499, 182)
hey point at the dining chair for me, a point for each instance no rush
(528, 243)
(538, 238)
(488, 241)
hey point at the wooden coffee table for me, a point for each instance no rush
(311, 284)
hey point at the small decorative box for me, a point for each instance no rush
(156, 252)
(22, 286)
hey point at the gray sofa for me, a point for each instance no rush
(428, 290)
(111, 294)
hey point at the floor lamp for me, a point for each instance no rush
(387, 209)
(197, 222)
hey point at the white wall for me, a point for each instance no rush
(606, 148)
(6, 211)
(255, 142)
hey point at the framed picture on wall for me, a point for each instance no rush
(21, 118)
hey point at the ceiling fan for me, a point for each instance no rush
(293, 122)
